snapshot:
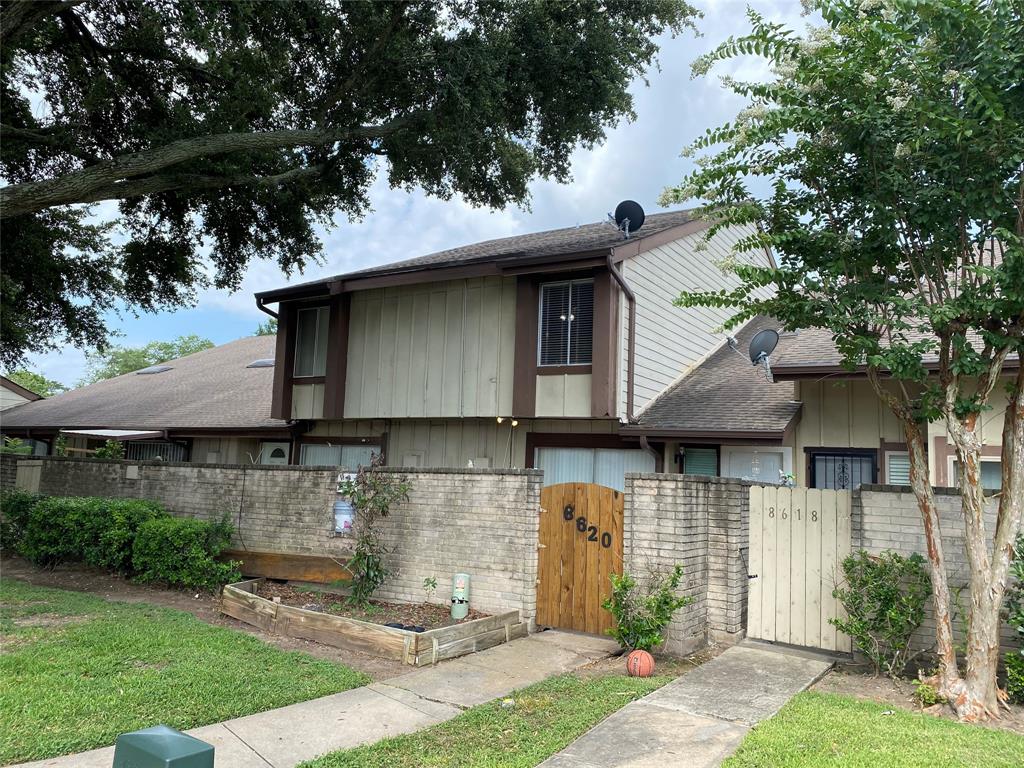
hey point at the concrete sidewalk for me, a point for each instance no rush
(285, 737)
(699, 719)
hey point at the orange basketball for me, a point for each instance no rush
(639, 664)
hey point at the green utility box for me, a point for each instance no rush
(161, 747)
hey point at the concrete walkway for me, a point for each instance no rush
(285, 737)
(699, 719)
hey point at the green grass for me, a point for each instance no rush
(546, 718)
(77, 671)
(824, 729)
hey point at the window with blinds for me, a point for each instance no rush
(327, 455)
(311, 341)
(897, 468)
(151, 450)
(566, 323)
(700, 461)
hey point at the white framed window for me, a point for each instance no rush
(566, 325)
(331, 455)
(897, 468)
(311, 341)
(991, 473)
(759, 464)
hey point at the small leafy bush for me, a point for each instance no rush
(95, 531)
(884, 597)
(1015, 618)
(643, 610)
(111, 449)
(926, 695)
(183, 552)
(15, 507)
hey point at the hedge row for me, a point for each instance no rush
(132, 537)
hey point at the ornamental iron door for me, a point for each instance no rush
(580, 547)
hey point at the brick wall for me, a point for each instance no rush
(886, 517)
(8, 469)
(480, 521)
(700, 522)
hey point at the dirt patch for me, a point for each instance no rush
(204, 606)
(46, 621)
(849, 680)
(414, 616)
(671, 666)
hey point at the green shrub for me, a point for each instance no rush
(95, 531)
(15, 507)
(642, 611)
(884, 597)
(926, 695)
(183, 551)
(1015, 617)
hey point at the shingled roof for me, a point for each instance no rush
(212, 389)
(723, 396)
(535, 245)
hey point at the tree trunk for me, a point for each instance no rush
(948, 681)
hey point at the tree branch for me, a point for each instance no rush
(19, 16)
(82, 186)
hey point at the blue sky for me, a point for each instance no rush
(637, 161)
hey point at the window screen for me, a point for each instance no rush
(841, 471)
(757, 466)
(700, 461)
(311, 341)
(897, 470)
(991, 475)
(347, 456)
(566, 323)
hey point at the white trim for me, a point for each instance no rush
(953, 479)
(885, 463)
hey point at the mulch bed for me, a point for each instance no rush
(421, 616)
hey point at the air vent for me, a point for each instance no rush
(153, 369)
(266, 362)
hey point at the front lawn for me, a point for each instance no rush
(546, 718)
(78, 670)
(821, 730)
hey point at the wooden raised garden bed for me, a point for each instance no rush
(242, 601)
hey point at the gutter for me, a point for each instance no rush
(263, 307)
(630, 335)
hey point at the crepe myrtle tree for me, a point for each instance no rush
(222, 132)
(891, 139)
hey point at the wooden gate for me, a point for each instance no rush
(798, 538)
(581, 546)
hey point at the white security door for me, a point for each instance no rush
(274, 453)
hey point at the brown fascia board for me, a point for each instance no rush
(708, 435)
(804, 372)
(512, 264)
(28, 394)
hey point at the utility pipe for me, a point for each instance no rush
(630, 335)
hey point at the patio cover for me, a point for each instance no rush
(114, 434)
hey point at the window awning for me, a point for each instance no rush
(114, 434)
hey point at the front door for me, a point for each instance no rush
(274, 453)
(581, 546)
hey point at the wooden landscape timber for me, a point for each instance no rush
(319, 569)
(242, 601)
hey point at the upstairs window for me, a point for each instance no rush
(566, 323)
(311, 342)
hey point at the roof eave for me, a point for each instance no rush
(706, 435)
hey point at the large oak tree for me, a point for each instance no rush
(239, 126)
(892, 140)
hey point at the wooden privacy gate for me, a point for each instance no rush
(798, 538)
(580, 547)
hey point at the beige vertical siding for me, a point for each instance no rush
(669, 339)
(307, 401)
(435, 349)
(225, 450)
(841, 414)
(561, 396)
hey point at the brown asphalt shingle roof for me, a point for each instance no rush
(210, 389)
(553, 242)
(724, 394)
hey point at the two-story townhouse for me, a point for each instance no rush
(531, 351)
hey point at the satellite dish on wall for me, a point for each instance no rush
(629, 216)
(761, 348)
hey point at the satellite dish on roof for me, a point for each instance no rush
(629, 216)
(761, 348)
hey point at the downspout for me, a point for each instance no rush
(658, 458)
(630, 335)
(263, 308)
